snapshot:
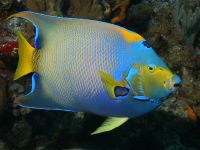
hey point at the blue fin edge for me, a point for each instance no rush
(36, 38)
(35, 77)
(59, 109)
(141, 98)
(37, 44)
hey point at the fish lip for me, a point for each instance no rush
(173, 84)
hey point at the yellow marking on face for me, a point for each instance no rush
(129, 36)
(151, 78)
(155, 77)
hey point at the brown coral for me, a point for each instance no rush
(90, 9)
(50, 7)
(123, 7)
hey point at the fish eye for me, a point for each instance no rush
(151, 67)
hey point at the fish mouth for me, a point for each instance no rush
(173, 83)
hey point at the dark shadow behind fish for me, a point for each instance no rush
(156, 130)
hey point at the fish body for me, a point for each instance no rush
(89, 66)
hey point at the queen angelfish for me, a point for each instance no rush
(83, 65)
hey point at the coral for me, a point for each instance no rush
(51, 7)
(90, 9)
(187, 17)
(9, 48)
(20, 133)
(192, 115)
(122, 5)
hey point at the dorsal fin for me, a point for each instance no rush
(41, 22)
(26, 51)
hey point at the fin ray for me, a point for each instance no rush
(110, 124)
(25, 64)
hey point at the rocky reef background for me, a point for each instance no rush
(172, 27)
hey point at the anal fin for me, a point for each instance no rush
(38, 98)
(109, 124)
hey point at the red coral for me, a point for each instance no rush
(9, 48)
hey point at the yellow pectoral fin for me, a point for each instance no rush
(110, 83)
(110, 124)
(25, 64)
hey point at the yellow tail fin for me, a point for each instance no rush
(25, 64)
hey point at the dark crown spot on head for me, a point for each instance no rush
(145, 43)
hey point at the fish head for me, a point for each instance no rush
(152, 83)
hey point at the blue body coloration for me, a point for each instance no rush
(70, 54)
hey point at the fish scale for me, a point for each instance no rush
(74, 60)
(82, 80)
(91, 66)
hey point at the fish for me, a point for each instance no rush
(83, 65)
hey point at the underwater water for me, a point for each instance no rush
(172, 28)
